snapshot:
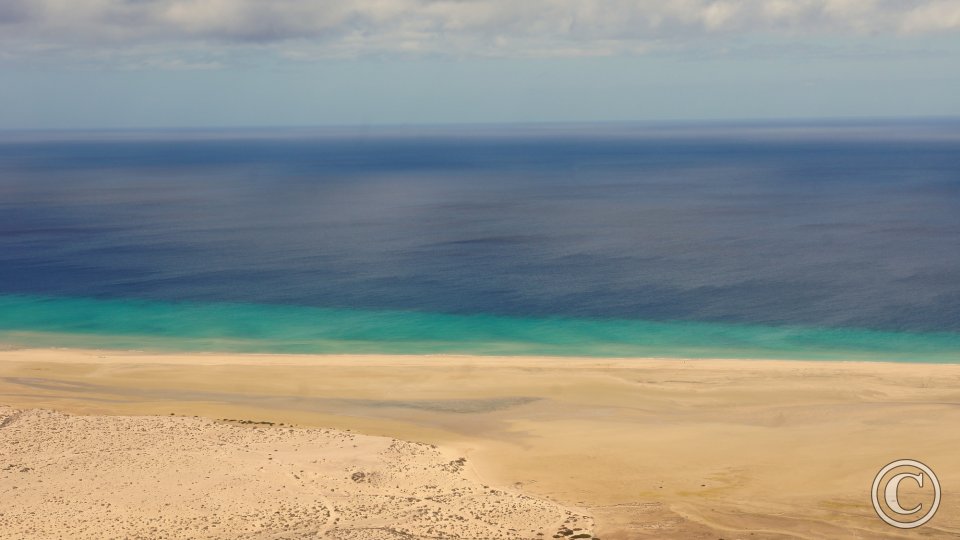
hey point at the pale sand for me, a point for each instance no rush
(147, 477)
(648, 448)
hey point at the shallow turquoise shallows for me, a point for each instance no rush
(31, 321)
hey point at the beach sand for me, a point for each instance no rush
(101, 477)
(631, 448)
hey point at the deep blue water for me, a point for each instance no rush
(832, 227)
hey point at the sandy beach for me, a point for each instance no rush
(99, 444)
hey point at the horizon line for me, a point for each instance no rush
(823, 121)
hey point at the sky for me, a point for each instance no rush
(77, 64)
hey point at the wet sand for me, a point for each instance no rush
(648, 448)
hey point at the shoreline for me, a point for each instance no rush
(197, 358)
(652, 448)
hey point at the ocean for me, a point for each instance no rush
(831, 240)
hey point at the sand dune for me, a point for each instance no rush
(148, 477)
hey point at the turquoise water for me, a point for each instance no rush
(27, 320)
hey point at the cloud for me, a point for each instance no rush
(13, 12)
(943, 15)
(312, 28)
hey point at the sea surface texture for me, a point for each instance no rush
(791, 241)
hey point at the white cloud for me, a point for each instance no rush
(312, 28)
(942, 15)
